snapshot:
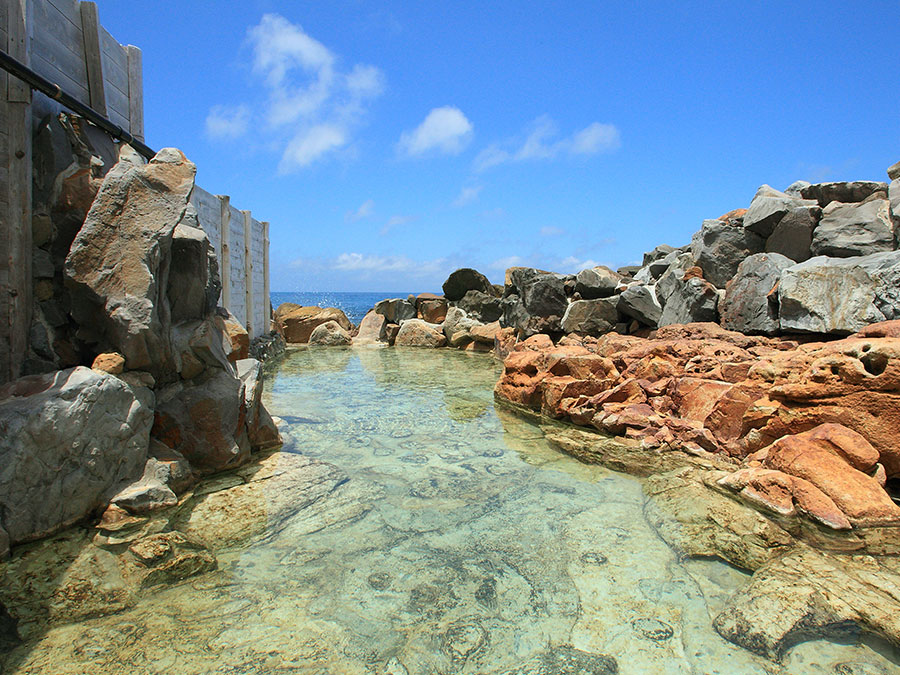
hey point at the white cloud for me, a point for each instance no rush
(467, 195)
(366, 209)
(445, 130)
(543, 142)
(572, 265)
(227, 122)
(310, 144)
(370, 265)
(310, 105)
(550, 231)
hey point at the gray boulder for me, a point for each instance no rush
(665, 285)
(118, 266)
(750, 305)
(846, 192)
(194, 284)
(481, 306)
(796, 188)
(395, 310)
(884, 270)
(767, 209)
(371, 329)
(541, 303)
(692, 299)
(854, 229)
(719, 247)
(658, 253)
(640, 303)
(597, 282)
(829, 295)
(894, 197)
(591, 317)
(456, 326)
(464, 280)
(793, 234)
(419, 333)
(261, 429)
(893, 171)
(69, 439)
(329, 334)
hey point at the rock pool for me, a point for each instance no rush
(431, 533)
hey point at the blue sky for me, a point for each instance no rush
(389, 143)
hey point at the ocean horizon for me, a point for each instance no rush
(354, 304)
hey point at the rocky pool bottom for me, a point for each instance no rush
(407, 527)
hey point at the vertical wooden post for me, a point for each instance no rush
(90, 28)
(267, 300)
(225, 224)
(16, 231)
(248, 276)
(135, 92)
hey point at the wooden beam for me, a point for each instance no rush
(90, 28)
(267, 299)
(225, 260)
(17, 292)
(135, 92)
(248, 275)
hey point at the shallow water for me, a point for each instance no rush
(480, 549)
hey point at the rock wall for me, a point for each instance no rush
(140, 382)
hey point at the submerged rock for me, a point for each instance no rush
(418, 333)
(329, 334)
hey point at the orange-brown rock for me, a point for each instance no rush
(109, 362)
(431, 308)
(239, 339)
(486, 333)
(296, 323)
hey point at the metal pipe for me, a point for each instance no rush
(54, 91)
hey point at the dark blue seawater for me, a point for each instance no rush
(354, 305)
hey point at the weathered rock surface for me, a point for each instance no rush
(281, 490)
(261, 430)
(371, 329)
(329, 334)
(481, 306)
(205, 420)
(591, 317)
(839, 295)
(456, 327)
(792, 236)
(296, 323)
(750, 304)
(67, 440)
(431, 308)
(464, 280)
(767, 209)
(597, 282)
(807, 595)
(691, 299)
(536, 301)
(720, 246)
(395, 310)
(418, 333)
(118, 266)
(640, 303)
(854, 229)
(238, 337)
(845, 192)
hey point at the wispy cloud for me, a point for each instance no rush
(309, 104)
(572, 265)
(366, 209)
(542, 142)
(467, 195)
(227, 122)
(509, 261)
(444, 130)
(395, 221)
(369, 265)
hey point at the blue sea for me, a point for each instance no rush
(354, 305)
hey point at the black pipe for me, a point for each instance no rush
(45, 86)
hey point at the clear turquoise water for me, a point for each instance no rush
(458, 541)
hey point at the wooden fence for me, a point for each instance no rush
(64, 41)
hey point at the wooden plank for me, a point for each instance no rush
(59, 41)
(90, 30)
(117, 105)
(135, 91)
(115, 62)
(248, 275)
(225, 260)
(267, 296)
(16, 239)
(66, 8)
(61, 68)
